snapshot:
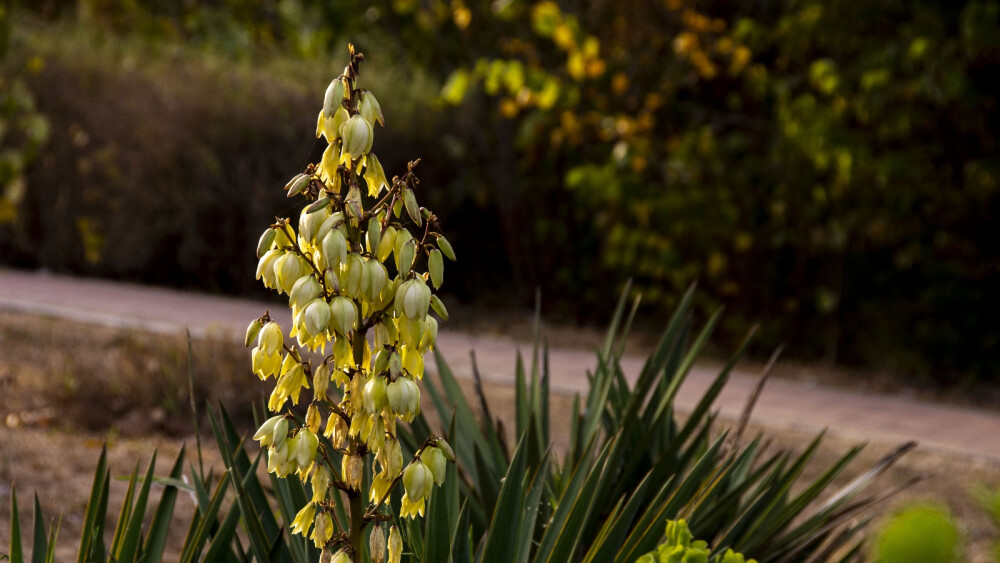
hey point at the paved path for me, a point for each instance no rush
(784, 403)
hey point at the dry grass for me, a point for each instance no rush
(68, 387)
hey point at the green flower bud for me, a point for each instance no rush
(373, 235)
(357, 134)
(375, 394)
(317, 316)
(435, 265)
(298, 184)
(386, 243)
(446, 248)
(266, 242)
(439, 307)
(304, 291)
(406, 255)
(445, 448)
(270, 338)
(252, 331)
(434, 459)
(333, 97)
(381, 361)
(412, 209)
(344, 316)
(395, 365)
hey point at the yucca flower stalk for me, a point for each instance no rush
(351, 269)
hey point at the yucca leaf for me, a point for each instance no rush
(16, 551)
(39, 545)
(502, 534)
(220, 547)
(442, 515)
(94, 513)
(197, 536)
(124, 516)
(160, 525)
(128, 549)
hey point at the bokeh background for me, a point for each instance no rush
(827, 169)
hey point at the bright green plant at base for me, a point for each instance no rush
(336, 270)
(681, 547)
(918, 534)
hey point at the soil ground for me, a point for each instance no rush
(68, 387)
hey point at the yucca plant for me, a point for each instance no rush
(631, 465)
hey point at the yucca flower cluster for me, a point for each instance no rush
(361, 307)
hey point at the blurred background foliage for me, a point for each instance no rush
(826, 168)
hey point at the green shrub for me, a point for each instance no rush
(919, 534)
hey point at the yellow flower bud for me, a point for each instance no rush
(350, 276)
(271, 338)
(375, 176)
(413, 362)
(288, 269)
(395, 545)
(321, 382)
(320, 483)
(429, 338)
(304, 519)
(313, 419)
(306, 445)
(370, 109)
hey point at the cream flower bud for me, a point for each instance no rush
(393, 457)
(370, 109)
(306, 445)
(280, 432)
(343, 315)
(321, 382)
(417, 481)
(375, 394)
(434, 459)
(404, 397)
(271, 339)
(330, 223)
(310, 221)
(317, 316)
(376, 544)
(429, 338)
(288, 269)
(265, 268)
(395, 365)
(357, 134)
(395, 545)
(352, 467)
(351, 272)
(265, 434)
(341, 557)
(305, 290)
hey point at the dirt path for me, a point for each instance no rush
(784, 403)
